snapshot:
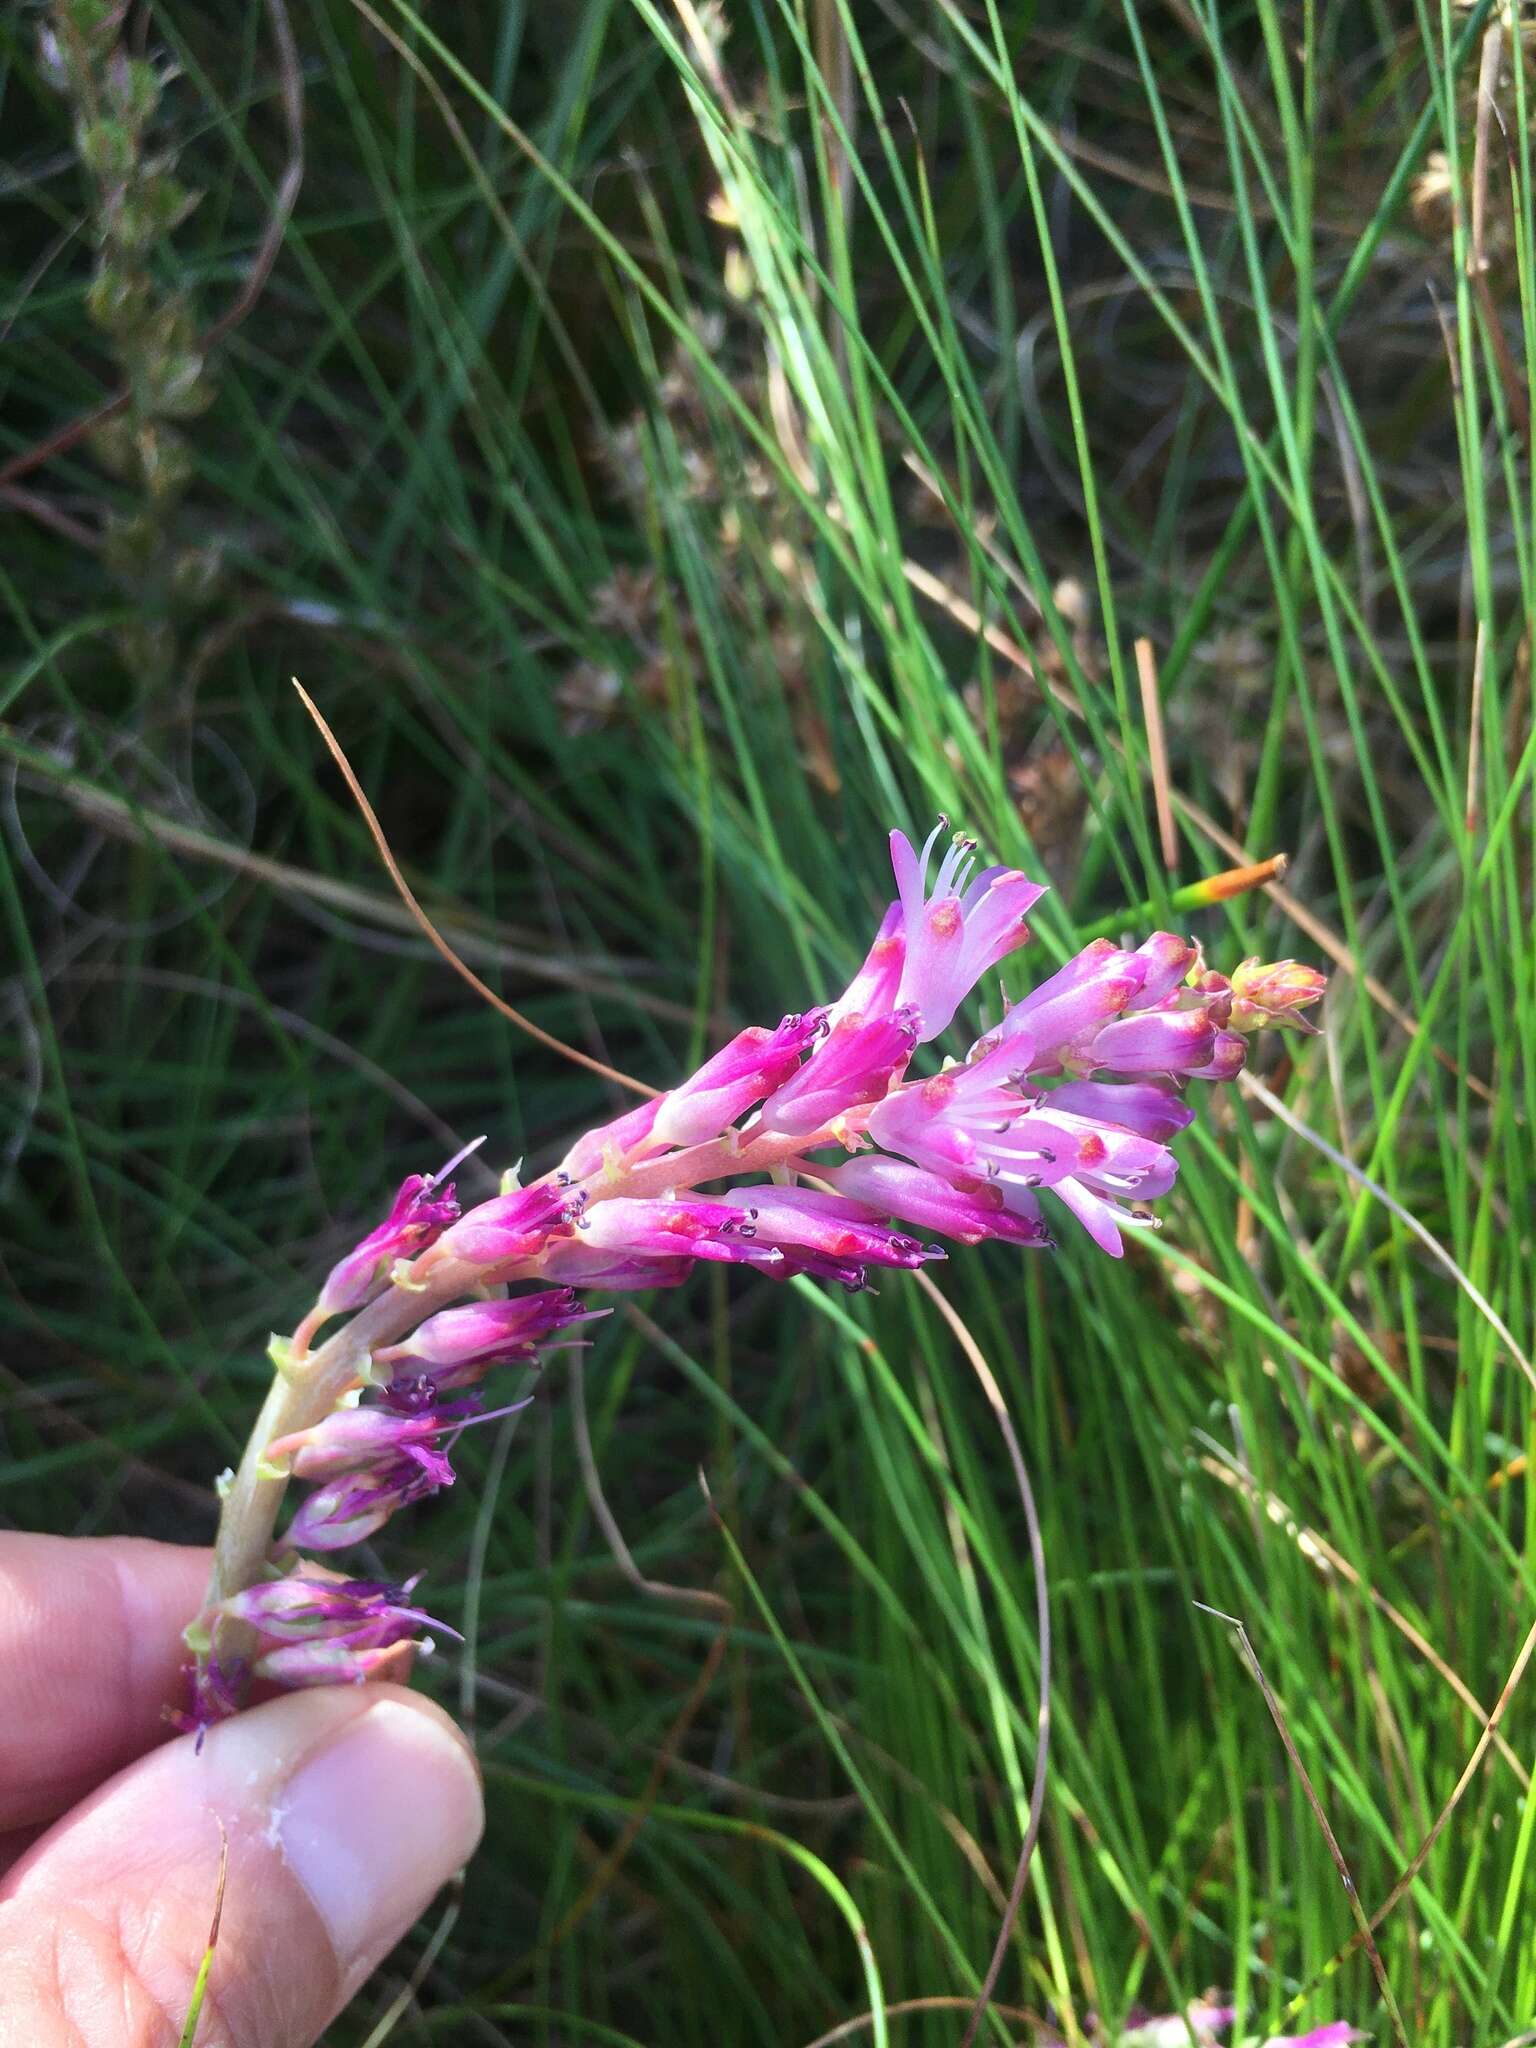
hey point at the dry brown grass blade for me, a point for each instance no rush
(1004, 1421)
(460, 967)
(1322, 1553)
(1363, 1937)
(1157, 752)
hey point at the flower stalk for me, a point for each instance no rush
(1067, 1103)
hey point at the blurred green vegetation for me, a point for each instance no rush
(671, 458)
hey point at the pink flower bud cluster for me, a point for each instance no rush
(805, 1150)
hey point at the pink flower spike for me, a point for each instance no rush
(872, 991)
(694, 1228)
(510, 1228)
(834, 1226)
(421, 1211)
(958, 929)
(736, 1079)
(966, 1208)
(854, 1064)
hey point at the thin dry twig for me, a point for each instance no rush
(1250, 1658)
(440, 945)
(1004, 1420)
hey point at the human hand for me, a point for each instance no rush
(345, 1808)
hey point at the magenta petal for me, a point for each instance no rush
(956, 930)
(737, 1078)
(872, 991)
(419, 1214)
(512, 1227)
(854, 1064)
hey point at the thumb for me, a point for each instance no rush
(344, 1809)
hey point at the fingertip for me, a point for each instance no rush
(344, 1809)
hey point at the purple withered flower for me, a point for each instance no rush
(297, 1665)
(421, 1211)
(356, 1505)
(590, 1265)
(511, 1227)
(349, 1439)
(956, 930)
(832, 1226)
(855, 1063)
(737, 1078)
(460, 1344)
(296, 1609)
(216, 1684)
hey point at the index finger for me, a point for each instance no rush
(90, 1654)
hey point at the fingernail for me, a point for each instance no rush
(373, 1823)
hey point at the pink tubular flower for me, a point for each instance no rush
(695, 1228)
(421, 1211)
(833, 1226)
(855, 1063)
(458, 1344)
(965, 1207)
(737, 1078)
(297, 1609)
(951, 937)
(510, 1228)
(627, 1139)
(1070, 1005)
